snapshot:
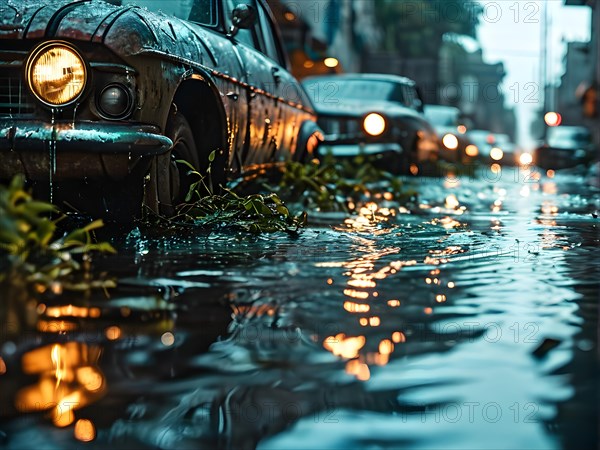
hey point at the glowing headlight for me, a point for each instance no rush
(525, 159)
(472, 150)
(374, 124)
(56, 74)
(450, 141)
(496, 154)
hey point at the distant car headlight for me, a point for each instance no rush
(115, 101)
(525, 159)
(450, 141)
(496, 154)
(56, 74)
(472, 150)
(374, 124)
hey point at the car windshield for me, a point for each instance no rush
(441, 115)
(566, 135)
(200, 11)
(324, 90)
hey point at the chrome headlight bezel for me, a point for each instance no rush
(33, 59)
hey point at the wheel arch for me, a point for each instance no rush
(310, 136)
(198, 99)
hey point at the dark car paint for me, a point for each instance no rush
(408, 126)
(155, 55)
(459, 154)
(569, 151)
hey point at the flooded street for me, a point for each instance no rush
(470, 322)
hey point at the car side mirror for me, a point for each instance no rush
(243, 17)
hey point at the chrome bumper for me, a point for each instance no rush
(75, 150)
(142, 140)
(350, 150)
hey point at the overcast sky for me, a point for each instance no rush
(511, 32)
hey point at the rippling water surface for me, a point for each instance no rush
(470, 323)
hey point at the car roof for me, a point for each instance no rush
(433, 107)
(365, 76)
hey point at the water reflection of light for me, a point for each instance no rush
(358, 369)
(549, 208)
(398, 337)
(57, 355)
(550, 173)
(361, 283)
(386, 347)
(112, 333)
(525, 191)
(496, 168)
(90, 378)
(549, 188)
(452, 202)
(448, 223)
(71, 311)
(451, 284)
(69, 379)
(361, 297)
(346, 347)
(451, 181)
(497, 206)
(55, 326)
(356, 307)
(356, 294)
(548, 239)
(84, 430)
(374, 321)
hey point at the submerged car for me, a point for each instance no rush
(565, 146)
(454, 143)
(100, 99)
(373, 114)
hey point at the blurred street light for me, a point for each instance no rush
(552, 119)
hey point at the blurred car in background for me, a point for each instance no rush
(495, 148)
(483, 140)
(455, 144)
(503, 150)
(373, 114)
(565, 146)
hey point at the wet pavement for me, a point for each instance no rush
(470, 322)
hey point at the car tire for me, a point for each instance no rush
(168, 182)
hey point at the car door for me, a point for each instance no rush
(287, 118)
(260, 145)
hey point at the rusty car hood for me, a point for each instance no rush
(127, 30)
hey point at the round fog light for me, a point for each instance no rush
(115, 101)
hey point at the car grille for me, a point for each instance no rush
(14, 99)
(340, 126)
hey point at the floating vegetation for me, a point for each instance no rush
(338, 184)
(32, 253)
(327, 185)
(255, 213)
